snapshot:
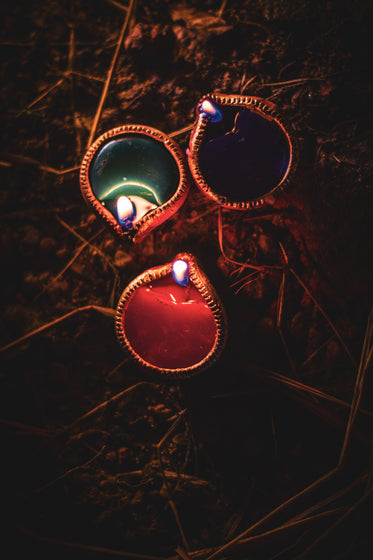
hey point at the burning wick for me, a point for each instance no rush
(180, 272)
(126, 212)
(210, 111)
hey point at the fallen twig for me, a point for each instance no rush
(366, 357)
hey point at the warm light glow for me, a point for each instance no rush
(173, 298)
(129, 183)
(126, 211)
(207, 107)
(180, 272)
(209, 110)
(124, 207)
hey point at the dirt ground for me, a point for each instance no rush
(267, 454)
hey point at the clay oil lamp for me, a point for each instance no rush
(170, 319)
(134, 177)
(240, 152)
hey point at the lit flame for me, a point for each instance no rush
(207, 107)
(126, 211)
(210, 111)
(180, 272)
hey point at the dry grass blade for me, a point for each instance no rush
(87, 76)
(16, 158)
(103, 310)
(246, 281)
(170, 475)
(71, 55)
(287, 527)
(70, 471)
(104, 404)
(244, 544)
(181, 131)
(316, 351)
(320, 481)
(297, 385)
(25, 428)
(295, 82)
(67, 266)
(335, 525)
(202, 215)
(117, 367)
(366, 357)
(247, 83)
(222, 8)
(280, 301)
(93, 247)
(333, 498)
(166, 486)
(330, 417)
(179, 526)
(117, 5)
(182, 554)
(280, 308)
(324, 314)
(248, 277)
(232, 261)
(110, 72)
(42, 96)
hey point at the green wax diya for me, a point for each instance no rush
(151, 171)
(135, 178)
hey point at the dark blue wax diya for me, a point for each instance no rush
(134, 177)
(240, 152)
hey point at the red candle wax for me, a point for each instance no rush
(168, 325)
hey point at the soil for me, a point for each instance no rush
(100, 459)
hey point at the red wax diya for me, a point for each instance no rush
(171, 320)
(240, 151)
(134, 177)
